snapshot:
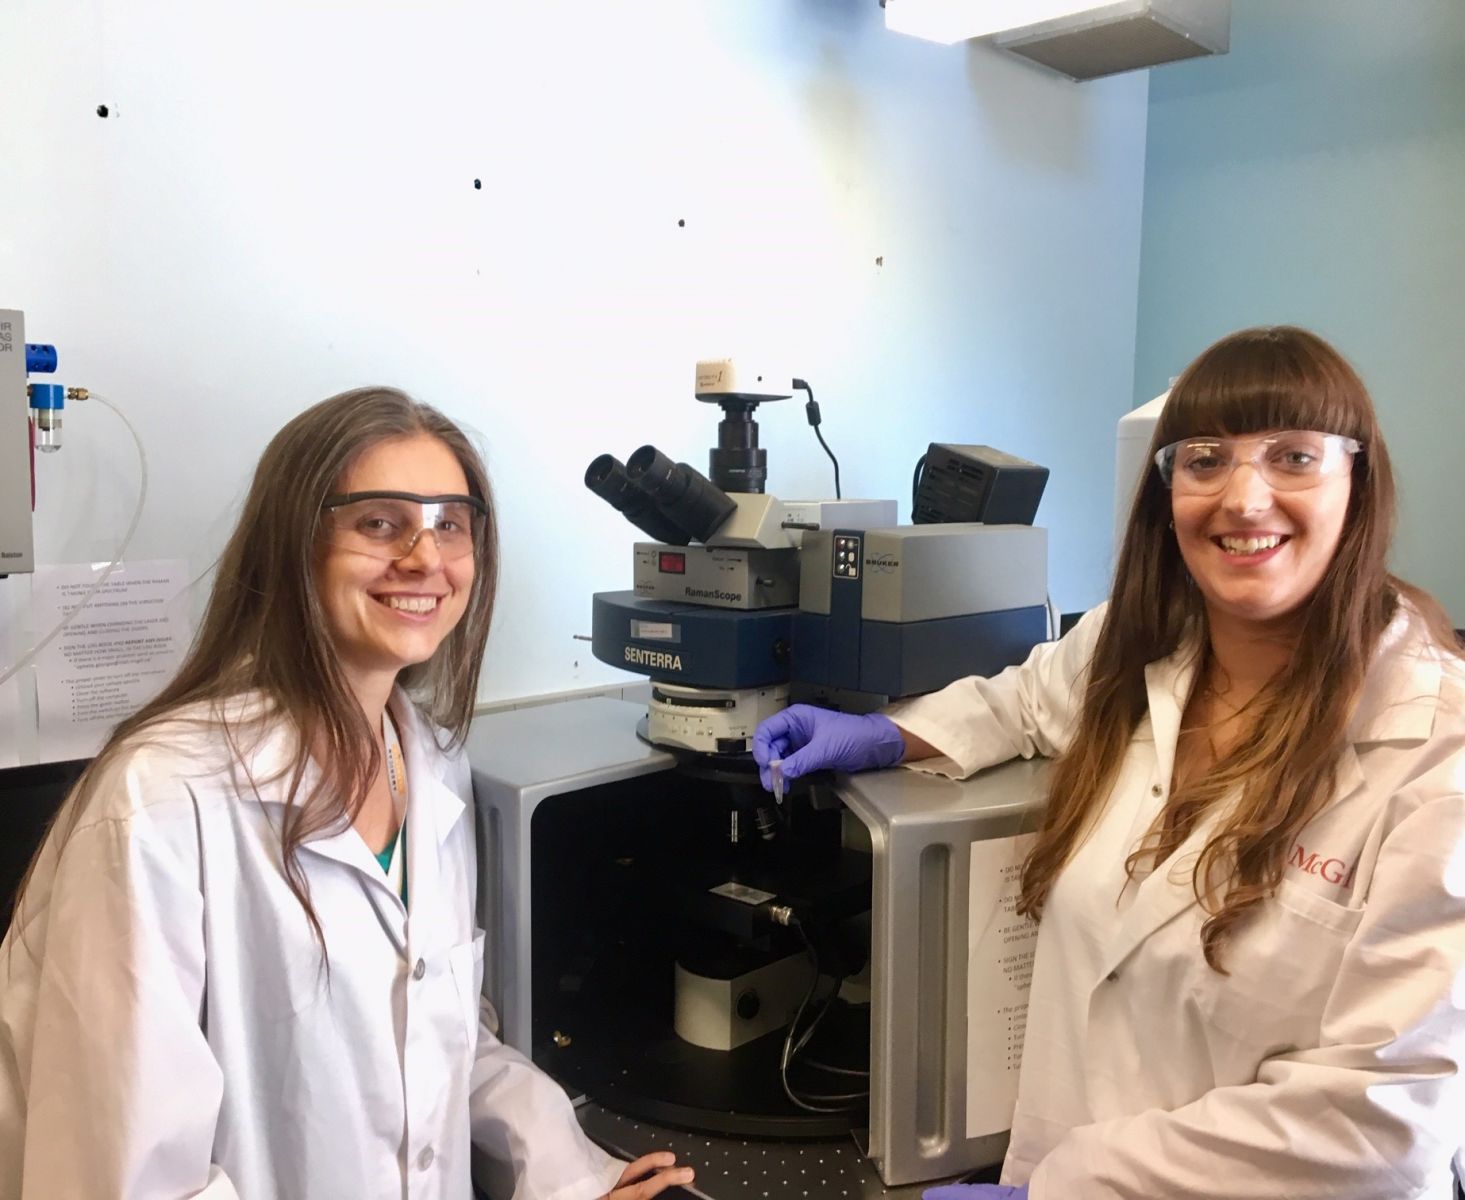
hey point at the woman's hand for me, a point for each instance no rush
(815, 739)
(650, 1175)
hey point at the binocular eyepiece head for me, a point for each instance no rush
(606, 477)
(671, 502)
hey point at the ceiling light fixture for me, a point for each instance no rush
(949, 21)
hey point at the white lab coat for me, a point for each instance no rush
(167, 1030)
(1327, 1064)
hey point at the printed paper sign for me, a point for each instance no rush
(14, 599)
(999, 972)
(112, 658)
(9, 722)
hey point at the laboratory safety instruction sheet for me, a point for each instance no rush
(113, 657)
(1000, 946)
(11, 648)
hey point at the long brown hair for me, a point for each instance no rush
(264, 631)
(1284, 768)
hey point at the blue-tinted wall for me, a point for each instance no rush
(1316, 175)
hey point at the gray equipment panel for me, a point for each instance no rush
(17, 550)
(920, 828)
(519, 758)
(767, 521)
(889, 658)
(927, 572)
(718, 576)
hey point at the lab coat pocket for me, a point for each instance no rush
(1282, 965)
(467, 965)
(1318, 909)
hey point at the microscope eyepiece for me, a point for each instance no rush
(606, 477)
(682, 493)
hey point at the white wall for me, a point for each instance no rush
(281, 205)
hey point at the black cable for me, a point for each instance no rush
(811, 410)
(786, 1057)
(916, 483)
(812, 1101)
(813, 1028)
(832, 1069)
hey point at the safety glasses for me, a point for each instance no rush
(387, 525)
(1289, 461)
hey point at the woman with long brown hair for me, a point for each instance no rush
(245, 962)
(1250, 874)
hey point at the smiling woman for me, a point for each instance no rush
(397, 568)
(246, 961)
(1248, 875)
(1258, 520)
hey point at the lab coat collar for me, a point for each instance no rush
(1167, 689)
(1402, 688)
(1401, 692)
(1400, 695)
(427, 770)
(436, 804)
(433, 810)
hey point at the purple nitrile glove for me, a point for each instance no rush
(816, 739)
(975, 1191)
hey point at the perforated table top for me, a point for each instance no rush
(737, 1169)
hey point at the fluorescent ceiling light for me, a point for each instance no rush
(949, 21)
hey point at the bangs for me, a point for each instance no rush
(1267, 379)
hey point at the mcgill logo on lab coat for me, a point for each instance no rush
(1333, 870)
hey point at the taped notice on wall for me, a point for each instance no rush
(11, 648)
(1000, 948)
(116, 655)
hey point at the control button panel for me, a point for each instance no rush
(846, 556)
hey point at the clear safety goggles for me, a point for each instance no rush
(1289, 461)
(388, 524)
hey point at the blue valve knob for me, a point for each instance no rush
(39, 359)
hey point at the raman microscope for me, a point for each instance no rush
(706, 962)
(829, 596)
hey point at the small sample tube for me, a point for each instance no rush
(775, 771)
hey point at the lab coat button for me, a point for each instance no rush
(424, 1160)
(1157, 790)
(1112, 977)
(419, 971)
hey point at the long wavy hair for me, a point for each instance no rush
(1283, 770)
(264, 632)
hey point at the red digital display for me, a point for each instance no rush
(673, 564)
